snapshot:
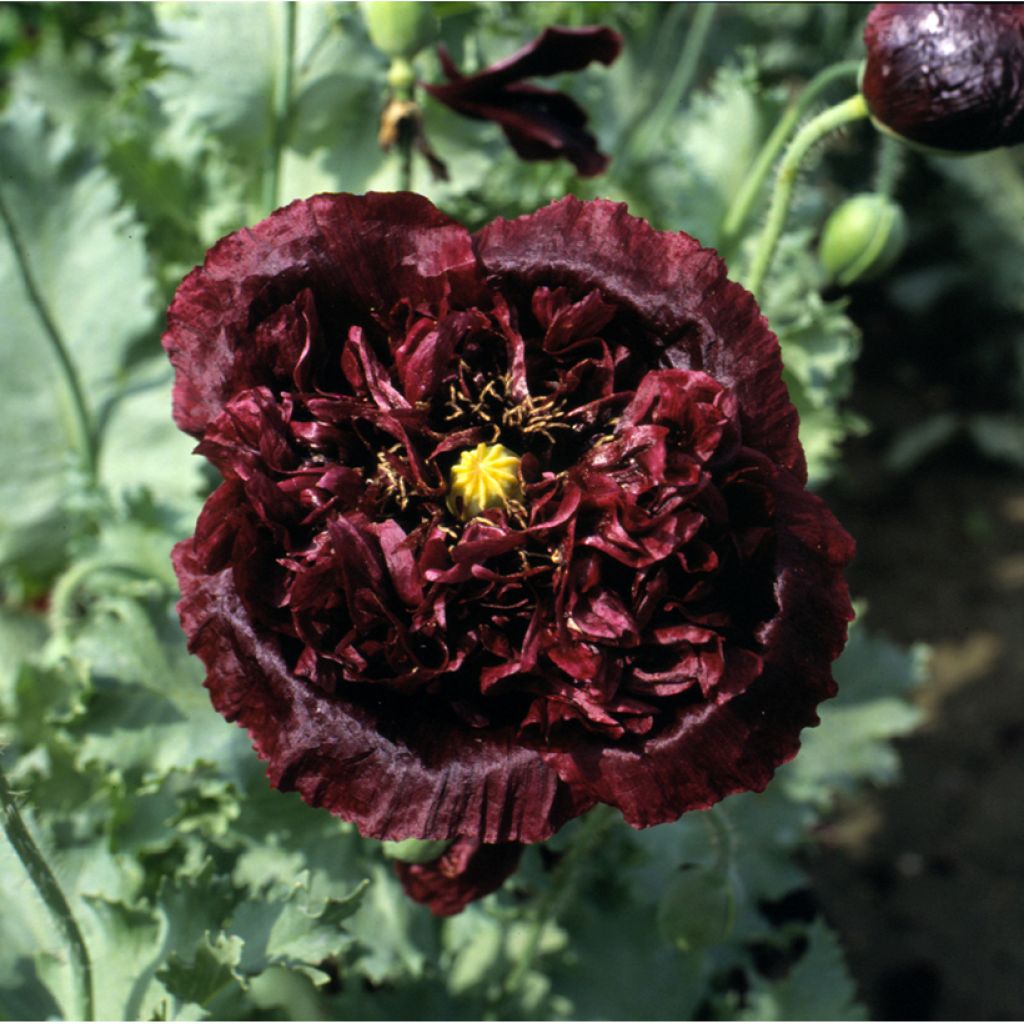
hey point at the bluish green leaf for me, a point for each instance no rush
(212, 968)
(819, 346)
(140, 421)
(21, 634)
(474, 947)
(391, 931)
(766, 830)
(817, 987)
(617, 966)
(124, 943)
(73, 268)
(853, 743)
(224, 84)
(292, 933)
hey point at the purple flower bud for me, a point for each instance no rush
(948, 76)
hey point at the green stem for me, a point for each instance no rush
(404, 147)
(666, 52)
(852, 109)
(652, 128)
(282, 108)
(401, 96)
(87, 441)
(62, 598)
(50, 892)
(891, 161)
(592, 828)
(739, 210)
(721, 836)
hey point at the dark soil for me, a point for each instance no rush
(924, 880)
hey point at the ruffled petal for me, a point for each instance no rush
(395, 770)
(356, 254)
(712, 750)
(695, 317)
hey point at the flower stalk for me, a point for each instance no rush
(853, 109)
(282, 107)
(652, 128)
(739, 210)
(403, 81)
(566, 876)
(52, 895)
(891, 161)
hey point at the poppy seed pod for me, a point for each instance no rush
(947, 76)
(400, 29)
(862, 238)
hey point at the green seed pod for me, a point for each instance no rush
(415, 851)
(863, 238)
(400, 29)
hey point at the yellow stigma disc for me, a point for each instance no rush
(484, 477)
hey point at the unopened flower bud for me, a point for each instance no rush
(400, 29)
(862, 238)
(947, 76)
(415, 851)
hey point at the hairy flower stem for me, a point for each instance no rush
(404, 92)
(592, 830)
(405, 160)
(50, 892)
(721, 837)
(65, 593)
(739, 210)
(891, 161)
(652, 127)
(282, 108)
(852, 109)
(87, 440)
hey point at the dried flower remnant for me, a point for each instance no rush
(643, 609)
(948, 76)
(467, 870)
(541, 124)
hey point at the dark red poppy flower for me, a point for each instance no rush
(950, 76)
(511, 524)
(541, 124)
(467, 870)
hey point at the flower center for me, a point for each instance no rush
(486, 476)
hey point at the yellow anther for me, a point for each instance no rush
(484, 477)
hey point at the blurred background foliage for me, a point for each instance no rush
(132, 136)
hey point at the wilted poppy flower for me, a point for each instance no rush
(467, 870)
(511, 524)
(541, 124)
(947, 75)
